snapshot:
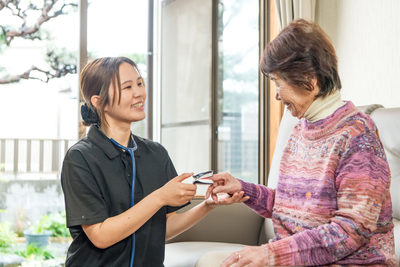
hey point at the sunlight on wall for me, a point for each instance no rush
(366, 36)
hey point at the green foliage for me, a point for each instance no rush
(2, 41)
(232, 61)
(32, 251)
(7, 237)
(58, 225)
(54, 222)
(39, 227)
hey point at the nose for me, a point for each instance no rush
(277, 96)
(139, 92)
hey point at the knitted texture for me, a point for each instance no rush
(332, 204)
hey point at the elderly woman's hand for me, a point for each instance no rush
(248, 256)
(223, 183)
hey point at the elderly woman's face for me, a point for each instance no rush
(296, 99)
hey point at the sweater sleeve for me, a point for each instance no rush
(262, 198)
(362, 177)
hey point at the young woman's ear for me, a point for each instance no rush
(95, 102)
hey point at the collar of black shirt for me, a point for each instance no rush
(102, 141)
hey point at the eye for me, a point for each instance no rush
(140, 84)
(128, 87)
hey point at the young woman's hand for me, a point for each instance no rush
(223, 183)
(225, 199)
(175, 193)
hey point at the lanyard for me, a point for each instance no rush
(131, 153)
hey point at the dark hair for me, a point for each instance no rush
(96, 78)
(303, 51)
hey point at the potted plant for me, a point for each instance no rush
(49, 225)
(38, 233)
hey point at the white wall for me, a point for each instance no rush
(366, 35)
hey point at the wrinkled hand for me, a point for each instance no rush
(175, 193)
(223, 183)
(225, 199)
(248, 256)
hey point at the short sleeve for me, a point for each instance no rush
(83, 198)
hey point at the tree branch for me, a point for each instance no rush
(58, 62)
(28, 32)
(26, 75)
(4, 3)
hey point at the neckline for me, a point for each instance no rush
(315, 130)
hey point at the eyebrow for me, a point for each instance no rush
(139, 78)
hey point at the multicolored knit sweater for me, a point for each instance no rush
(332, 204)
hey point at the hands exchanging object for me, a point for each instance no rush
(176, 193)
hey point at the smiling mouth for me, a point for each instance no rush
(138, 105)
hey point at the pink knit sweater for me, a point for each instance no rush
(332, 204)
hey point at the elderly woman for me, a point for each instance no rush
(332, 204)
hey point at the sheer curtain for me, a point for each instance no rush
(289, 10)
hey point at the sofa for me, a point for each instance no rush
(230, 228)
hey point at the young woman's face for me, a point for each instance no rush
(133, 96)
(297, 100)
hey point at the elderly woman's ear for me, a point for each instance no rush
(314, 83)
(313, 80)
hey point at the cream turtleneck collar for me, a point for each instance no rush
(322, 107)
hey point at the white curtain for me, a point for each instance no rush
(289, 10)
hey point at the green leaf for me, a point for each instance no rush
(7, 237)
(54, 222)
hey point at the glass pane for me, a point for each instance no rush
(119, 29)
(238, 88)
(189, 149)
(186, 60)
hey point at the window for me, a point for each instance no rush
(39, 119)
(191, 85)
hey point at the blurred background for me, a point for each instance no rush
(207, 102)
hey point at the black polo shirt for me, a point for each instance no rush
(96, 180)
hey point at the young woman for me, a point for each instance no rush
(122, 191)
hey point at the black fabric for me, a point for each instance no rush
(96, 180)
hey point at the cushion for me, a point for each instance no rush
(186, 254)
